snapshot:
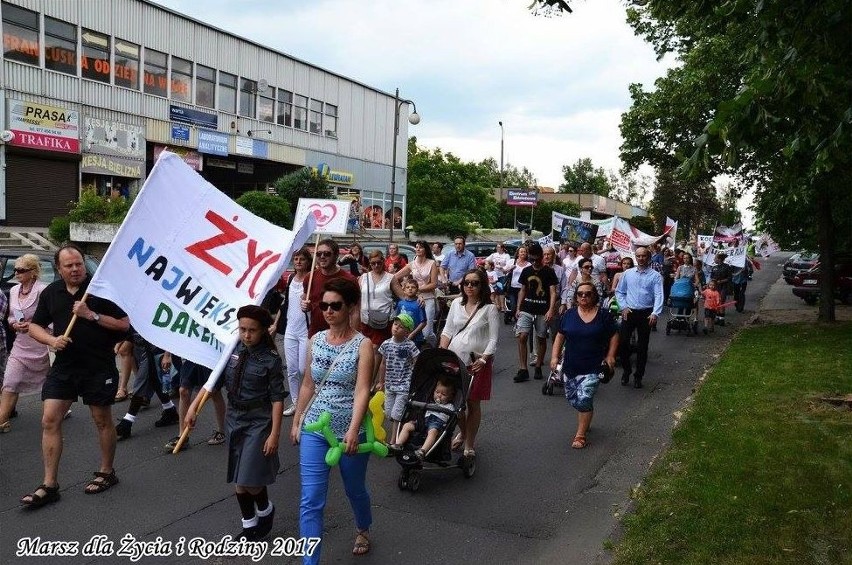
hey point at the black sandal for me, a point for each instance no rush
(101, 482)
(51, 495)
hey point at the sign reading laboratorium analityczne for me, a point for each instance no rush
(331, 216)
(213, 143)
(48, 128)
(113, 148)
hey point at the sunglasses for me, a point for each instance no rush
(584, 294)
(324, 254)
(375, 263)
(471, 283)
(335, 306)
(19, 270)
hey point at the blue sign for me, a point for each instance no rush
(180, 132)
(259, 149)
(193, 117)
(213, 142)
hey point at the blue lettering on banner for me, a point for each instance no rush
(180, 132)
(213, 143)
(193, 117)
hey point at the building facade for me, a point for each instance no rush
(92, 92)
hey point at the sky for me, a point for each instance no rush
(559, 84)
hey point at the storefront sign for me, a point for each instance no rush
(189, 156)
(243, 145)
(221, 163)
(213, 142)
(245, 168)
(521, 197)
(180, 132)
(44, 127)
(114, 166)
(106, 137)
(252, 147)
(193, 117)
(334, 177)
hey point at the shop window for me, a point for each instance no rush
(94, 64)
(156, 73)
(285, 107)
(181, 80)
(227, 92)
(266, 106)
(315, 117)
(300, 112)
(60, 46)
(20, 35)
(330, 120)
(126, 63)
(248, 98)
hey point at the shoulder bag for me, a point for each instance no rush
(376, 319)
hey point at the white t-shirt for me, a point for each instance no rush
(500, 260)
(297, 322)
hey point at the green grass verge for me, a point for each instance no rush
(759, 471)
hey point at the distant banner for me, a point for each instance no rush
(731, 241)
(527, 198)
(766, 246)
(331, 215)
(671, 232)
(576, 231)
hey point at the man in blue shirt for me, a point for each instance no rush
(640, 295)
(456, 263)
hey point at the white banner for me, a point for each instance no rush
(186, 258)
(732, 242)
(331, 215)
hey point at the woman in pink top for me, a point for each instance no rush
(424, 270)
(28, 361)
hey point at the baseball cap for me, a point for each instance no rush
(406, 320)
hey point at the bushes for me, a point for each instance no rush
(449, 224)
(271, 208)
(91, 208)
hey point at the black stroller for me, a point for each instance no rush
(431, 365)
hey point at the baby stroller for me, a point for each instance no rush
(556, 379)
(431, 365)
(683, 307)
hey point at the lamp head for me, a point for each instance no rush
(414, 118)
(501, 124)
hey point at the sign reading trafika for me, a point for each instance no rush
(331, 215)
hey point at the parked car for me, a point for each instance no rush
(482, 249)
(799, 263)
(8, 255)
(405, 250)
(806, 284)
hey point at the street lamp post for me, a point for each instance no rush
(413, 119)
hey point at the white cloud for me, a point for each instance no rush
(558, 84)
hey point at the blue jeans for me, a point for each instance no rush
(314, 471)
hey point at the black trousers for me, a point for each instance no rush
(635, 320)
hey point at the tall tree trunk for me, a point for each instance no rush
(825, 237)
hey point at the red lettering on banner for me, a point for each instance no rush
(229, 234)
(270, 261)
(253, 260)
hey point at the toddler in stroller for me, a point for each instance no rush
(683, 304)
(439, 387)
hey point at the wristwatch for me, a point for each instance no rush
(96, 317)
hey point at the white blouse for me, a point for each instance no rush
(480, 335)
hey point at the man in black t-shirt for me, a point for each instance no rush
(537, 305)
(84, 367)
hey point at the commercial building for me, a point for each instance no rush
(92, 91)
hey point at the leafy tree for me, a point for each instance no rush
(441, 182)
(583, 178)
(631, 187)
(691, 202)
(302, 184)
(270, 207)
(449, 224)
(644, 223)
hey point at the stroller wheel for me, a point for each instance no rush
(545, 389)
(402, 483)
(414, 481)
(668, 328)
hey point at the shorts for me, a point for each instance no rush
(480, 384)
(376, 337)
(526, 322)
(395, 404)
(433, 422)
(709, 313)
(96, 386)
(194, 376)
(580, 391)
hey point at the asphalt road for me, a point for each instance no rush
(533, 498)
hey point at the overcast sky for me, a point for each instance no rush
(559, 85)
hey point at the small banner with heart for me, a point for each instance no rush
(331, 215)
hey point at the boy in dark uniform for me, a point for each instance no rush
(254, 380)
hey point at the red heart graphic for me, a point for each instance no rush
(323, 213)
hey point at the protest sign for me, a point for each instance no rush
(186, 258)
(331, 216)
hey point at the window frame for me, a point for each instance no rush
(206, 81)
(285, 108)
(315, 127)
(330, 117)
(229, 87)
(156, 65)
(92, 72)
(270, 97)
(248, 95)
(27, 33)
(300, 109)
(134, 82)
(63, 43)
(181, 74)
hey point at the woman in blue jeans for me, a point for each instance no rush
(339, 369)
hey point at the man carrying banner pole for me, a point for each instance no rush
(86, 333)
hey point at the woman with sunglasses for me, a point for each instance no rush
(471, 332)
(424, 270)
(590, 337)
(584, 267)
(377, 302)
(339, 372)
(28, 361)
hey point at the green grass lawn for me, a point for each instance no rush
(759, 471)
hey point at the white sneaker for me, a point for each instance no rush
(290, 410)
(533, 359)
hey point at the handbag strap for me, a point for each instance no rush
(464, 327)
